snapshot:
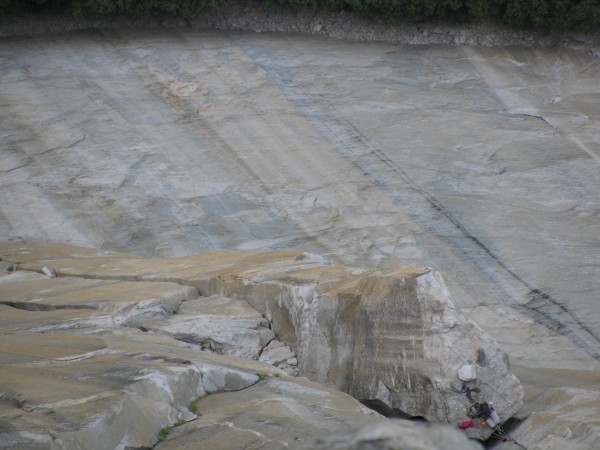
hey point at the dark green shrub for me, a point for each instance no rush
(586, 16)
(581, 15)
(177, 8)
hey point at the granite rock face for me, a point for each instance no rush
(395, 435)
(278, 412)
(73, 378)
(105, 390)
(75, 374)
(223, 325)
(392, 339)
(280, 355)
(478, 162)
(560, 411)
(70, 379)
(108, 304)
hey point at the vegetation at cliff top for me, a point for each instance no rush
(583, 15)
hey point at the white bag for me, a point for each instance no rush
(467, 372)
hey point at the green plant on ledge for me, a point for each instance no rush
(164, 431)
(193, 406)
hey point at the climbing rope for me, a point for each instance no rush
(499, 433)
(467, 390)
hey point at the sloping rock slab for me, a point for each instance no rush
(227, 326)
(396, 435)
(272, 414)
(104, 303)
(111, 390)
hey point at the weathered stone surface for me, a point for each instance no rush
(273, 414)
(72, 379)
(117, 389)
(227, 326)
(569, 418)
(280, 355)
(396, 435)
(478, 162)
(561, 409)
(392, 337)
(305, 420)
(110, 304)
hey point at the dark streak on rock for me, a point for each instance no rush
(338, 126)
(31, 306)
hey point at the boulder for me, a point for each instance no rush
(392, 339)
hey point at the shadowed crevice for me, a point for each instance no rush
(30, 306)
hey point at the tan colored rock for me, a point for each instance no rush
(107, 303)
(109, 390)
(280, 355)
(390, 337)
(396, 435)
(219, 324)
(68, 380)
(226, 326)
(561, 409)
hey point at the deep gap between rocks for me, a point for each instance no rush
(30, 306)
(508, 426)
(384, 410)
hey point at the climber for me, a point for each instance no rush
(480, 409)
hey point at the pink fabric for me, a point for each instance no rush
(466, 424)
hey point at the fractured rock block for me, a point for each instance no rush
(397, 435)
(275, 413)
(223, 325)
(392, 338)
(280, 355)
